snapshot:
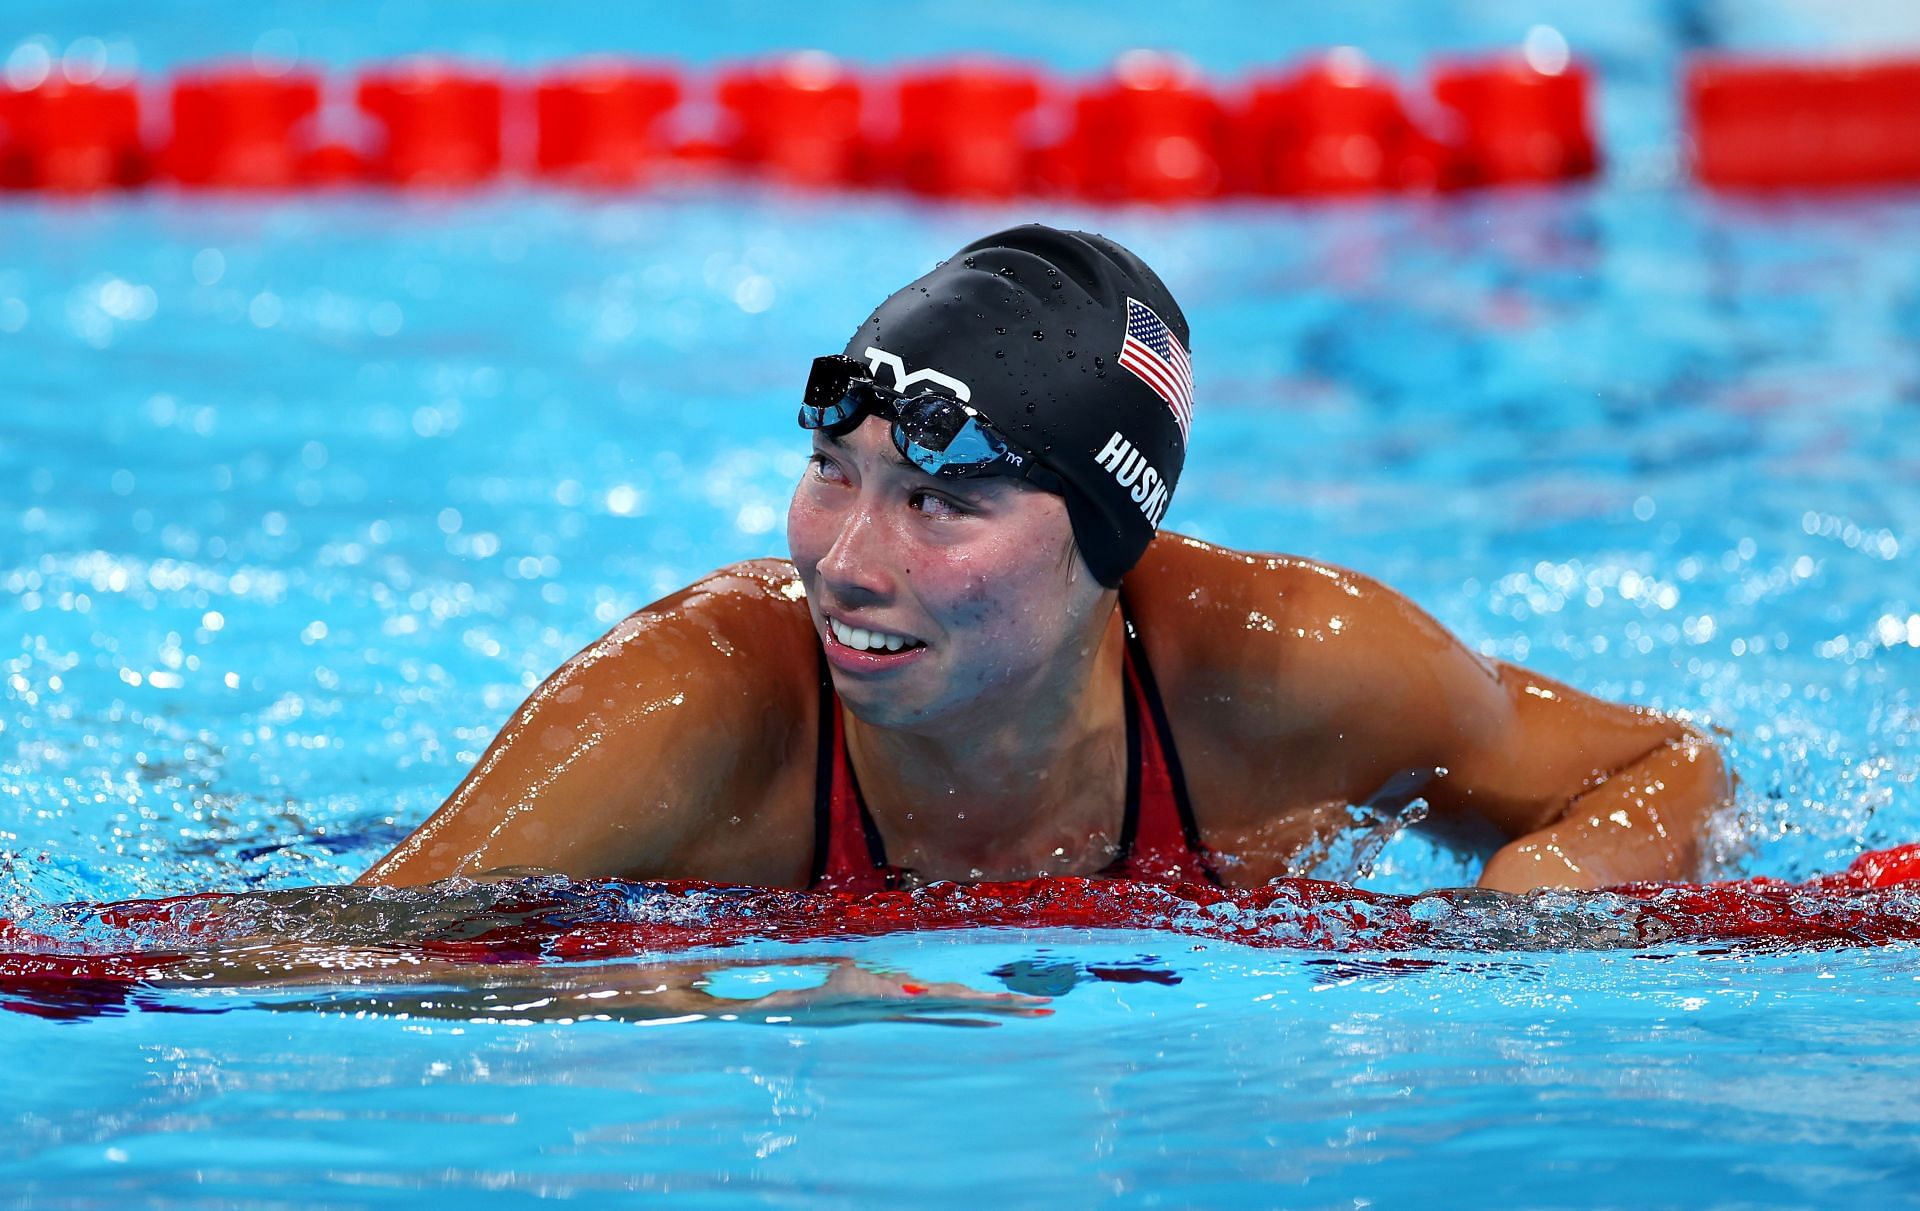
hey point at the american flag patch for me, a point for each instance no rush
(1154, 355)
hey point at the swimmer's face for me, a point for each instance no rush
(980, 575)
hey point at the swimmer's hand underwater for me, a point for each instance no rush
(854, 993)
(386, 981)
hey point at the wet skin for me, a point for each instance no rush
(991, 745)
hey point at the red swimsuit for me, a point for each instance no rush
(1159, 842)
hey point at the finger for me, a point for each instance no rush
(970, 1005)
(965, 992)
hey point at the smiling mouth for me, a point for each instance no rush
(862, 640)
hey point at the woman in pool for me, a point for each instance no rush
(982, 663)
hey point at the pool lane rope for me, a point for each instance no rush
(1150, 130)
(73, 961)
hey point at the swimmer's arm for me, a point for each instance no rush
(1587, 793)
(612, 767)
(1640, 822)
(558, 790)
(392, 980)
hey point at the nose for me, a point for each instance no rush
(855, 570)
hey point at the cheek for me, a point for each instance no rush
(1008, 597)
(805, 531)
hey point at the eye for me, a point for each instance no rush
(935, 504)
(820, 467)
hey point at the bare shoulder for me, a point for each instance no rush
(1295, 688)
(1204, 580)
(724, 629)
(726, 671)
(1292, 684)
(1286, 639)
(677, 744)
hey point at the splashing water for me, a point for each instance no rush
(64, 960)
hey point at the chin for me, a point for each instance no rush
(910, 704)
(877, 707)
(908, 708)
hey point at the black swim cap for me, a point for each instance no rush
(1068, 344)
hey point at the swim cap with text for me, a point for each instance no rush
(1069, 344)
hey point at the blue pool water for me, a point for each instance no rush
(301, 498)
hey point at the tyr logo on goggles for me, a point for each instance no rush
(934, 431)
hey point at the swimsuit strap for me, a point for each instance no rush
(1159, 840)
(847, 852)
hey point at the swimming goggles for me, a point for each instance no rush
(935, 432)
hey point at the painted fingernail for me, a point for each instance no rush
(914, 990)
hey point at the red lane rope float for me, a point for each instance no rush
(1520, 125)
(795, 120)
(964, 130)
(1759, 125)
(599, 124)
(236, 128)
(1877, 868)
(1872, 903)
(441, 122)
(1335, 126)
(72, 138)
(1152, 130)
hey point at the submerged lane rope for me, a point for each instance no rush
(80, 960)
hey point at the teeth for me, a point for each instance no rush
(872, 641)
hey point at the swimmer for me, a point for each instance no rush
(984, 662)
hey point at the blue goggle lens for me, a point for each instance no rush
(934, 432)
